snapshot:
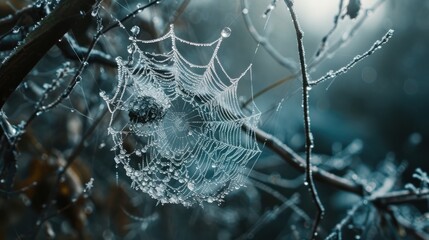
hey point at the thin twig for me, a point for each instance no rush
(77, 77)
(296, 161)
(316, 60)
(308, 135)
(400, 197)
(269, 87)
(377, 45)
(264, 42)
(326, 37)
(71, 49)
(33, 11)
(37, 43)
(345, 220)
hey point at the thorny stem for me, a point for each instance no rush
(308, 135)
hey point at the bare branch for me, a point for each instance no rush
(296, 161)
(326, 37)
(400, 197)
(376, 46)
(71, 49)
(306, 109)
(38, 42)
(77, 76)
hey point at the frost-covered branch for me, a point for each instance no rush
(329, 50)
(376, 46)
(291, 157)
(38, 42)
(306, 111)
(77, 77)
(325, 39)
(71, 49)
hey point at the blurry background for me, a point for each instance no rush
(373, 118)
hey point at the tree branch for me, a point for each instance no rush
(296, 161)
(306, 109)
(38, 42)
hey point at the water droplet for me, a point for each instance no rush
(94, 13)
(16, 29)
(245, 11)
(130, 49)
(226, 32)
(191, 186)
(135, 30)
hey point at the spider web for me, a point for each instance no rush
(177, 126)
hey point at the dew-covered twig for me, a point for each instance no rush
(282, 198)
(329, 51)
(33, 11)
(376, 46)
(326, 37)
(350, 214)
(296, 161)
(400, 197)
(77, 77)
(72, 50)
(346, 37)
(37, 43)
(306, 111)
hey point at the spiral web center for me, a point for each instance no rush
(177, 126)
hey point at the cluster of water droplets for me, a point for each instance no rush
(177, 125)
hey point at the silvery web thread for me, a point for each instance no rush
(196, 151)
